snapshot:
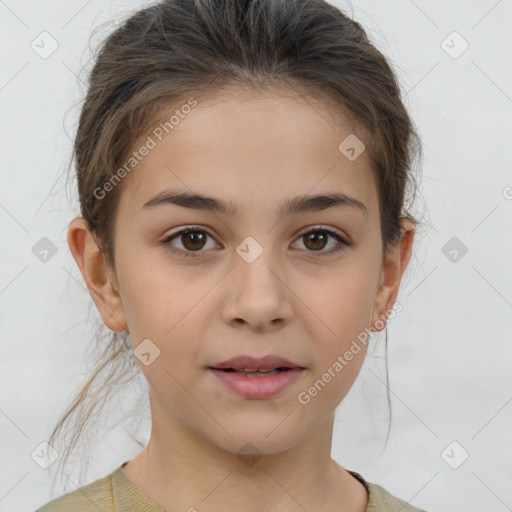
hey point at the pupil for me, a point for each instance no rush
(195, 236)
(315, 237)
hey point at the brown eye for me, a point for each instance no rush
(315, 240)
(192, 240)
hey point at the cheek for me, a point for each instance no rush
(156, 296)
(342, 309)
(167, 308)
(342, 305)
(169, 320)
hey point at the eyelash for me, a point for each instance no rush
(343, 244)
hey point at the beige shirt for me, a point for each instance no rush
(115, 493)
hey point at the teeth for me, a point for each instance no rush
(260, 370)
(256, 373)
(259, 374)
(253, 372)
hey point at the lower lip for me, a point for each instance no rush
(258, 387)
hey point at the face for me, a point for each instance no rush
(300, 285)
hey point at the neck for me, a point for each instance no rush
(181, 470)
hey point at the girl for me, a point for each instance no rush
(242, 169)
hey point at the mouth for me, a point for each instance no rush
(251, 373)
(257, 384)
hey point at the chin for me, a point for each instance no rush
(259, 441)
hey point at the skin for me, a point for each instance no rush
(255, 150)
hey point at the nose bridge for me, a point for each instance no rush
(259, 294)
(254, 266)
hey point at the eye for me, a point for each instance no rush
(192, 240)
(316, 240)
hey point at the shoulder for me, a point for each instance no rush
(383, 501)
(380, 500)
(95, 496)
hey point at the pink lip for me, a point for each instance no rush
(258, 387)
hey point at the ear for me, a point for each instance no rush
(392, 271)
(99, 278)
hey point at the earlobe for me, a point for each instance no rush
(392, 271)
(98, 276)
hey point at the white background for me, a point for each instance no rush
(450, 349)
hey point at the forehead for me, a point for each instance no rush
(251, 149)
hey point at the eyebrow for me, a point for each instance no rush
(299, 204)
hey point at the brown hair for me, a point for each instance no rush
(175, 49)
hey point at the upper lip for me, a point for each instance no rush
(270, 361)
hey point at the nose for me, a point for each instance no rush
(259, 296)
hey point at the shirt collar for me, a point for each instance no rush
(126, 494)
